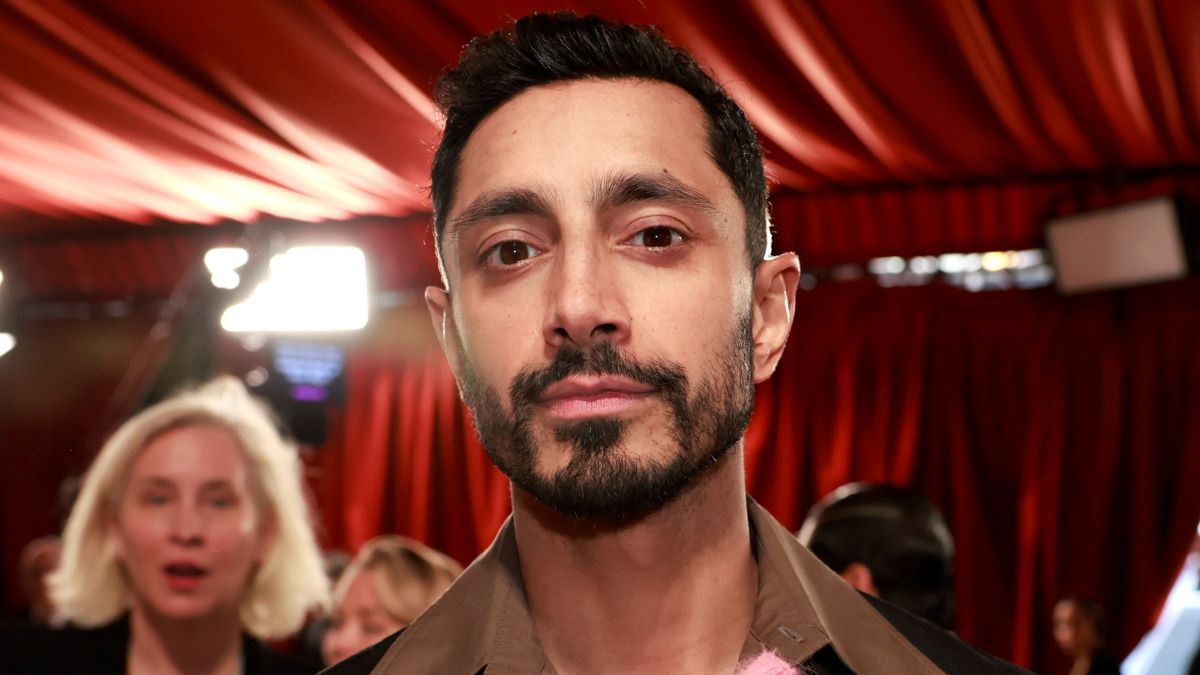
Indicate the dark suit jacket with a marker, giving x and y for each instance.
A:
(103, 651)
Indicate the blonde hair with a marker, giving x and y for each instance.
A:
(89, 587)
(409, 576)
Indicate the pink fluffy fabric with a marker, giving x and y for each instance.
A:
(767, 663)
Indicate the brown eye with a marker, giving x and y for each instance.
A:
(511, 252)
(657, 237)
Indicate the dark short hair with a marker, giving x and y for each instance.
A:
(561, 47)
(899, 535)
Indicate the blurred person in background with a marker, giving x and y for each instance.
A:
(38, 559)
(889, 542)
(389, 583)
(335, 562)
(1080, 627)
(190, 542)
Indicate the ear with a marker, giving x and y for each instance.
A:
(438, 301)
(859, 576)
(775, 283)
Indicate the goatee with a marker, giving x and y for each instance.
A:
(604, 480)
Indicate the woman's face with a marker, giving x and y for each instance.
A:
(188, 528)
(359, 620)
(1073, 630)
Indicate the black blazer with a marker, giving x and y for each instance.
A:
(102, 651)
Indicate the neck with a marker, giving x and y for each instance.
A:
(210, 645)
(1082, 663)
(671, 592)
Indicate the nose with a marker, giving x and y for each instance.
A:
(187, 526)
(334, 645)
(586, 303)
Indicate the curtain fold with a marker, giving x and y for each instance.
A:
(322, 110)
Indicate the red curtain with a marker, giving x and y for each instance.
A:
(839, 227)
(224, 109)
(1057, 435)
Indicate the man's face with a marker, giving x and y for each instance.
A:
(601, 316)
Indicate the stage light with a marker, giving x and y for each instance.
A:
(952, 263)
(7, 342)
(308, 289)
(222, 263)
(227, 279)
(994, 261)
(225, 258)
(974, 281)
(1, 276)
(925, 264)
(889, 265)
(1033, 257)
(257, 377)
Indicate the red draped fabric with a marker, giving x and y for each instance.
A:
(1043, 428)
(1058, 437)
(314, 109)
(838, 227)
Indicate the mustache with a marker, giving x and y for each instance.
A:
(603, 359)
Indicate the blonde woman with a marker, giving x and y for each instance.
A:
(391, 581)
(189, 543)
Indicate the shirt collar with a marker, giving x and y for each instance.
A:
(862, 638)
(483, 622)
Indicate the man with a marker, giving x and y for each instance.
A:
(609, 304)
(887, 541)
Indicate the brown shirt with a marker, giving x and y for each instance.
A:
(483, 623)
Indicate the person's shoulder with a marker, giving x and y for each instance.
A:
(365, 661)
(1104, 663)
(946, 650)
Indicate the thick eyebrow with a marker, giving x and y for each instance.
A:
(616, 190)
(499, 204)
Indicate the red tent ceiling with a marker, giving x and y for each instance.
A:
(121, 113)
(206, 110)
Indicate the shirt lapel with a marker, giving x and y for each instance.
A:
(864, 640)
(482, 621)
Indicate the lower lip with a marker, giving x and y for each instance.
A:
(179, 582)
(582, 407)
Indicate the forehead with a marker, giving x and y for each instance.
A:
(561, 138)
(196, 452)
(361, 591)
(1067, 611)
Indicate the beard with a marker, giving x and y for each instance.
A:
(604, 480)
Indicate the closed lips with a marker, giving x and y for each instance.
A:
(592, 388)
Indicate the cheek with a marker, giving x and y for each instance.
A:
(499, 343)
(235, 541)
(685, 328)
(136, 537)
